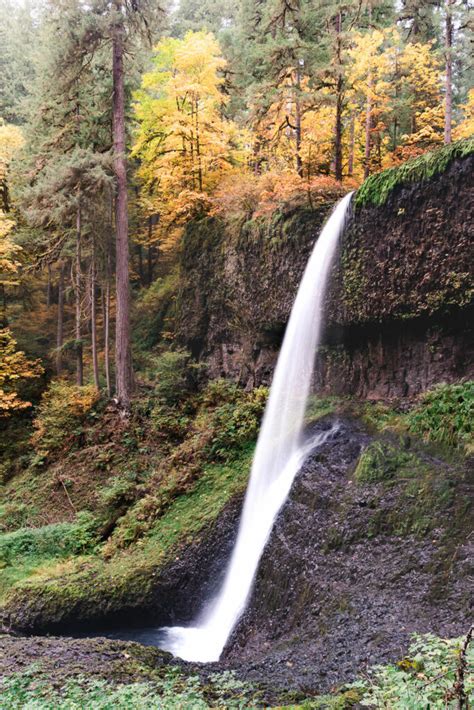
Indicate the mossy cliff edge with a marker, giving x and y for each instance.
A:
(401, 288)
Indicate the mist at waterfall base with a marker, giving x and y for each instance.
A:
(279, 455)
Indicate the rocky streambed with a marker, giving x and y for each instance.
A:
(359, 560)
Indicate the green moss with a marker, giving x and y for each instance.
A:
(354, 279)
(412, 489)
(380, 462)
(376, 189)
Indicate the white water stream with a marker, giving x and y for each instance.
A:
(278, 457)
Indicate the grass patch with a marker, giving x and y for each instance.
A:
(376, 189)
(57, 540)
(27, 551)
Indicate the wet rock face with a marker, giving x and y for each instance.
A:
(397, 359)
(332, 596)
(398, 307)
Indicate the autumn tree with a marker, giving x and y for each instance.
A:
(14, 369)
(183, 140)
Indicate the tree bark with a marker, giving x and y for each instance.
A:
(95, 360)
(298, 129)
(123, 357)
(3, 312)
(368, 125)
(60, 323)
(198, 148)
(150, 259)
(448, 113)
(107, 337)
(49, 288)
(78, 348)
(339, 103)
(141, 271)
(350, 163)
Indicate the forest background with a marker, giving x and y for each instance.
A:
(122, 121)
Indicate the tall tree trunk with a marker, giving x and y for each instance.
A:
(339, 103)
(3, 300)
(49, 288)
(198, 147)
(298, 128)
(60, 323)
(448, 113)
(123, 356)
(368, 126)
(79, 361)
(141, 271)
(368, 110)
(350, 162)
(95, 360)
(107, 336)
(150, 252)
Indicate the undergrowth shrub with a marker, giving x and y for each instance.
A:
(445, 415)
(260, 196)
(62, 413)
(119, 490)
(172, 692)
(173, 379)
(12, 516)
(425, 679)
(173, 376)
(50, 541)
(153, 315)
(235, 419)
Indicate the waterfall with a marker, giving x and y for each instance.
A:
(279, 455)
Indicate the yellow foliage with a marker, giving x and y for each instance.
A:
(11, 140)
(317, 145)
(370, 76)
(465, 129)
(14, 368)
(183, 140)
(8, 250)
(430, 124)
(62, 409)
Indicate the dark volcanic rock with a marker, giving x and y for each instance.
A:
(62, 659)
(335, 592)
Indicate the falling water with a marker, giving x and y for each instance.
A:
(279, 455)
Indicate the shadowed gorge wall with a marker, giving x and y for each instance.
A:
(398, 307)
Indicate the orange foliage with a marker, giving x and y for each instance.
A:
(260, 195)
